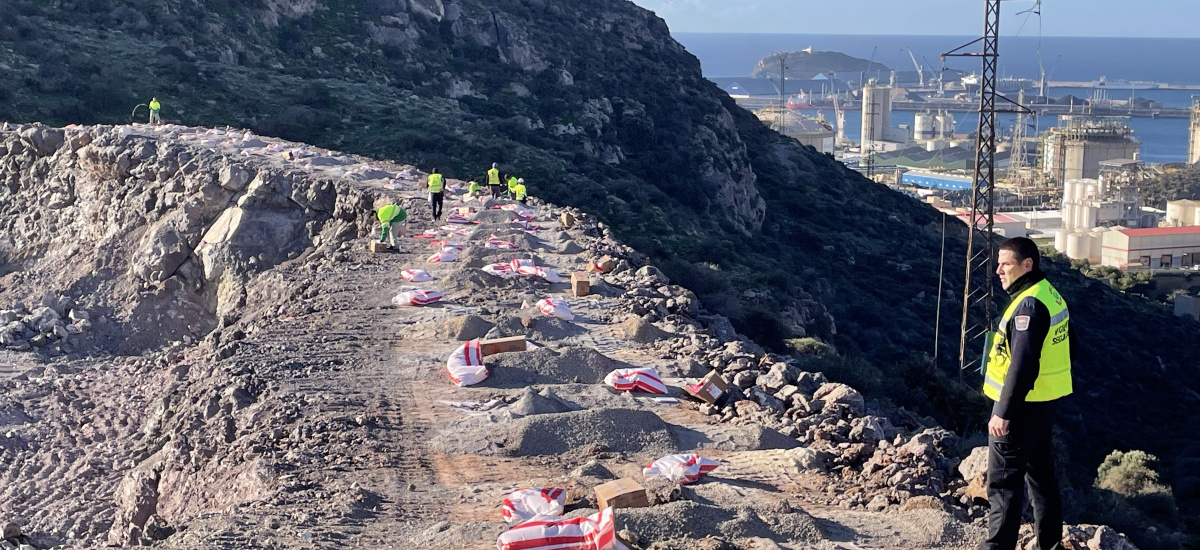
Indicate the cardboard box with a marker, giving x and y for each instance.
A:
(501, 345)
(567, 219)
(709, 389)
(622, 493)
(580, 285)
(377, 247)
(603, 265)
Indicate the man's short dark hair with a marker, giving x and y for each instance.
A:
(1021, 248)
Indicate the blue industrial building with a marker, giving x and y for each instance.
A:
(929, 180)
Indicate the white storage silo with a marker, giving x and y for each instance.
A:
(1077, 246)
(944, 125)
(1060, 240)
(923, 127)
(1095, 246)
(1091, 191)
(1089, 216)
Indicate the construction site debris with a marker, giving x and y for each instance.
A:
(465, 365)
(534, 502)
(417, 297)
(709, 389)
(621, 493)
(680, 468)
(643, 379)
(502, 345)
(594, 532)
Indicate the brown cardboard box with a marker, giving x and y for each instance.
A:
(622, 493)
(377, 247)
(709, 389)
(567, 219)
(580, 285)
(603, 265)
(501, 345)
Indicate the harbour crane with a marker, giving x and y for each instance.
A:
(978, 285)
(920, 70)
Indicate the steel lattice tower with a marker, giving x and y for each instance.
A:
(980, 265)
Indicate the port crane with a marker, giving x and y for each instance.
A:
(978, 285)
(920, 70)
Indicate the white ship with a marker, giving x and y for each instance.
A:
(1119, 84)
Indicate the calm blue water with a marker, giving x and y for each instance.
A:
(1166, 60)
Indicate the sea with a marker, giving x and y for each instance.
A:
(1068, 59)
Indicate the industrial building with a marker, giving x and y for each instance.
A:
(1155, 248)
(877, 132)
(1183, 212)
(951, 158)
(1076, 147)
(805, 129)
(1193, 156)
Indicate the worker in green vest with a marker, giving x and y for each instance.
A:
(512, 186)
(474, 190)
(389, 215)
(1028, 371)
(154, 108)
(520, 190)
(493, 181)
(437, 186)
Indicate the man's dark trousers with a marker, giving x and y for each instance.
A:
(1024, 458)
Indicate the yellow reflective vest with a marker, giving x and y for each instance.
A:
(154, 106)
(520, 191)
(512, 185)
(494, 176)
(436, 183)
(1054, 365)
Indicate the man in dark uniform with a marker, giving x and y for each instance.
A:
(1028, 372)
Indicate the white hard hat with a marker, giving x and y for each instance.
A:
(520, 180)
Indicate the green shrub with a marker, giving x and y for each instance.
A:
(1130, 474)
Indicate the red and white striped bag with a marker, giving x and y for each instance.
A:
(556, 307)
(681, 469)
(416, 275)
(526, 504)
(427, 234)
(595, 532)
(638, 379)
(417, 297)
(517, 264)
(465, 365)
(501, 269)
(493, 242)
(455, 218)
(446, 254)
(540, 272)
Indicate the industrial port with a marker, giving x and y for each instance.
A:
(1073, 185)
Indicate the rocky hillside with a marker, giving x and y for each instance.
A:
(804, 65)
(597, 108)
(222, 366)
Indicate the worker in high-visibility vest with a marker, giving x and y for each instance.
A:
(154, 108)
(436, 185)
(474, 190)
(389, 215)
(493, 181)
(519, 191)
(1028, 371)
(512, 186)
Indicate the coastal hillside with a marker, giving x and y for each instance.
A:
(807, 64)
(597, 108)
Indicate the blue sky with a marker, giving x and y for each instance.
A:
(1128, 18)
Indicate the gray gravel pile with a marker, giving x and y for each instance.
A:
(546, 366)
(692, 520)
(495, 216)
(545, 402)
(617, 430)
(536, 327)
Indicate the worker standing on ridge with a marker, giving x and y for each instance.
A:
(520, 190)
(512, 186)
(154, 107)
(436, 185)
(1028, 372)
(387, 216)
(493, 181)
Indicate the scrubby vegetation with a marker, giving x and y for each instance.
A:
(595, 106)
(1182, 183)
